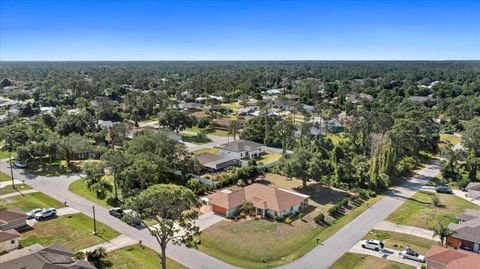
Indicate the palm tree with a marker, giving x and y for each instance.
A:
(441, 230)
(233, 128)
(98, 258)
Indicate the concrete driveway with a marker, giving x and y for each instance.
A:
(389, 254)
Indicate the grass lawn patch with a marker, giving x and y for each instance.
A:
(210, 150)
(449, 139)
(214, 132)
(360, 261)
(4, 177)
(419, 210)
(195, 139)
(336, 138)
(72, 231)
(18, 188)
(30, 201)
(5, 154)
(400, 241)
(138, 258)
(269, 157)
(80, 188)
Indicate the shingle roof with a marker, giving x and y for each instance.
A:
(262, 196)
(453, 259)
(469, 227)
(241, 145)
(473, 186)
(11, 214)
(9, 235)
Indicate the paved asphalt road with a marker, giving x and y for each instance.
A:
(321, 257)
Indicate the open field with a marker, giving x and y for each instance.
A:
(359, 261)
(398, 241)
(30, 201)
(72, 231)
(419, 210)
(10, 189)
(138, 258)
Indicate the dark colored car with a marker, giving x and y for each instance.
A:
(116, 212)
(443, 189)
(20, 165)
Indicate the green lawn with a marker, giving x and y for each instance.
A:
(194, 139)
(215, 132)
(5, 154)
(452, 139)
(56, 168)
(398, 241)
(80, 188)
(360, 261)
(419, 211)
(10, 189)
(72, 231)
(4, 177)
(210, 150)
(269, 157)
(30, 201)
(245, 243)
(139, 258)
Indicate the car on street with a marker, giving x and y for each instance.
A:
(116, 212)
(131, 217)
(411, 255)
(46, 213)
(31, 213)
(443, 189)
(19, 164)
(376, 245)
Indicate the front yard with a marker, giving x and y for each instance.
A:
(209, 150)
(360, 261)
(72, 231)
(18, 188)
(266, 244)
(399, 241)
(4, 177)
(195, 139)
(30, 201)
(80, 188)
(138, 258)
(419, 210)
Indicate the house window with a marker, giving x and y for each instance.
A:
(12, 242)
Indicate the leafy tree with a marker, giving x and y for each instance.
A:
(72, 144)
(441, 230)
(233, 128)
(285, 131)
(248, 174)
(176, 121)
(115, 161)
(173, 207)
(98, 258)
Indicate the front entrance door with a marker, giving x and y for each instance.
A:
(259, 211)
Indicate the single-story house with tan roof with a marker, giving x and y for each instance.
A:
(267, 201)
(12, 218)
(443, 258)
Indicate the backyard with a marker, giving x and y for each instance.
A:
(138, 258)
(419, 210)
(30, 201)
(359, 261)
(72, 231)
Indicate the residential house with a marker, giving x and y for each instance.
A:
(423, 99)
(467, 232)
(357, 97)
(190, 106)
(9, 240)
(105, 123)
(278, 104)
(307, 108)
(443, 258)
(267, 201)
(53, 257)
(245, 111)
(213, 162)
(273, 92)
(241, 149)
(473, 190)
(12, 218)
(291, 97)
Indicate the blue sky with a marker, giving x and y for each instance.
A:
(239, 30)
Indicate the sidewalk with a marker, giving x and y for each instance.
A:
(13, 194)
(405, 229)
(3, 184)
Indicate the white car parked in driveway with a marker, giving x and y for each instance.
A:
(376, 245)
(411, 255)
(33, 212)
(46, 213)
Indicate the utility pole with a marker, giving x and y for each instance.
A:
(94, 222)
(11, 170)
